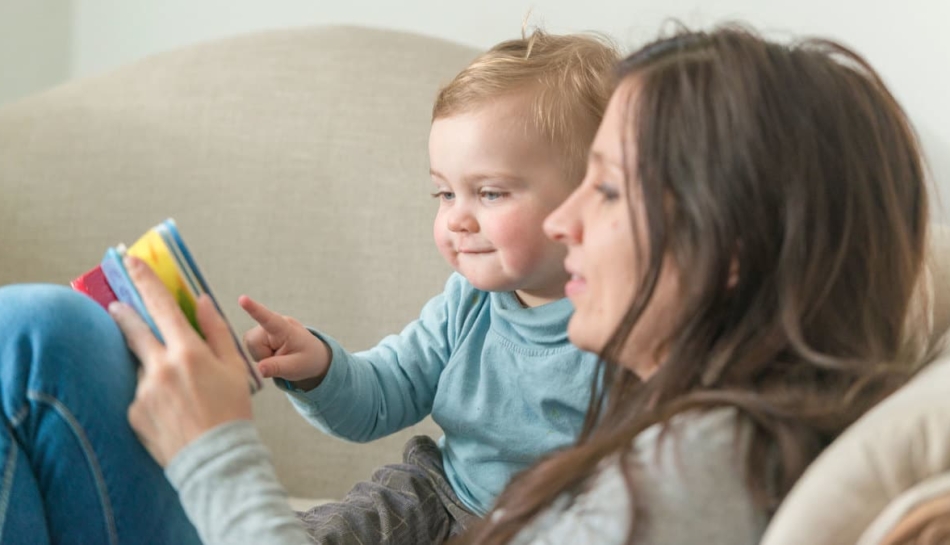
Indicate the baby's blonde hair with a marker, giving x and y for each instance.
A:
(570, 77)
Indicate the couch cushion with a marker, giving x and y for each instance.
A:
(938, 264)
(919, 513)
(901, 442)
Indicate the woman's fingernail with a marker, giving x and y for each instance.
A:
(114, 307)
(130, 263)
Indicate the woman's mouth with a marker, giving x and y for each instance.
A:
(575, 285)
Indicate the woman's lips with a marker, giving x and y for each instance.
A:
(575, 285)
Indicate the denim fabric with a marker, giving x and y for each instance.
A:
(71, 468)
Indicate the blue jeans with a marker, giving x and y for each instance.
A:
(71, 468)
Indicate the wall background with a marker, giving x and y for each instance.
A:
(46, 42)
(35, 45)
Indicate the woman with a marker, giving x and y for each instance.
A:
(764, 209)
(743, 250)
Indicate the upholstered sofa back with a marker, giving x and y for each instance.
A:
(295, 163)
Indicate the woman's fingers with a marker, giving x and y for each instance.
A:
(138, 335)
(216, 330)
(163, 308)
(189, 385)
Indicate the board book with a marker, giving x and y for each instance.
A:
(166, 253)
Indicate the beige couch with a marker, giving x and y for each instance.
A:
(295, 164)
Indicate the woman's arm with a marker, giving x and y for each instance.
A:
(229, 489)
(192, 411)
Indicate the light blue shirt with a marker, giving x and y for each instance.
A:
(502, 381)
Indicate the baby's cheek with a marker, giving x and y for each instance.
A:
(525, 243)
(448, 253)
(526, 257)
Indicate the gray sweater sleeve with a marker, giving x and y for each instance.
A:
(229, 489)
(690, 489)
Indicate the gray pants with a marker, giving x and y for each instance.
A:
(410, 503)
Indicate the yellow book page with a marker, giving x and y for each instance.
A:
(151, 249)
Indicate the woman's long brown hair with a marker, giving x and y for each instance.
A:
(794, 166)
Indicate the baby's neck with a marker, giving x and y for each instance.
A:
(530, 300)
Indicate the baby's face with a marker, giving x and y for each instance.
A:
(496, 180)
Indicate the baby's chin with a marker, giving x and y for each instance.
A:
(480, 282)
(491, 286)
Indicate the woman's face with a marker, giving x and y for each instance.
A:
(603, 258)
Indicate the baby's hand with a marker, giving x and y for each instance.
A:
(284, 348)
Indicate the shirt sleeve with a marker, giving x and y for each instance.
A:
(690, 488)
(227, 486)
(371, 394)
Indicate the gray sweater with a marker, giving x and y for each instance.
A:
(690, 489)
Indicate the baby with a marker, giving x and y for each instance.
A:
(488, 358)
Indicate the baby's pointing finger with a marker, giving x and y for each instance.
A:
(273, 323)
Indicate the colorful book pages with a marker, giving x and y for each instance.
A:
(153, 250)
(94, 284)
(118, 277)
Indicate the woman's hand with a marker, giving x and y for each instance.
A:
(284, 348)
(186, 386)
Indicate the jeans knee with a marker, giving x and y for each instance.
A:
(34, 307)
(58, 341)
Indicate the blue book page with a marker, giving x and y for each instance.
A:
(124, 289)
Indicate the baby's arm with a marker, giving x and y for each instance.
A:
(372, 394)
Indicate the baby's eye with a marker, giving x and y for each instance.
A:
(492, 195)
(443, 195)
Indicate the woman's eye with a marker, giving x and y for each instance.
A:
(443, 195)
(609, 192)
(492, 195)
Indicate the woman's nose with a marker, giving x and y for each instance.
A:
(563, 224)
